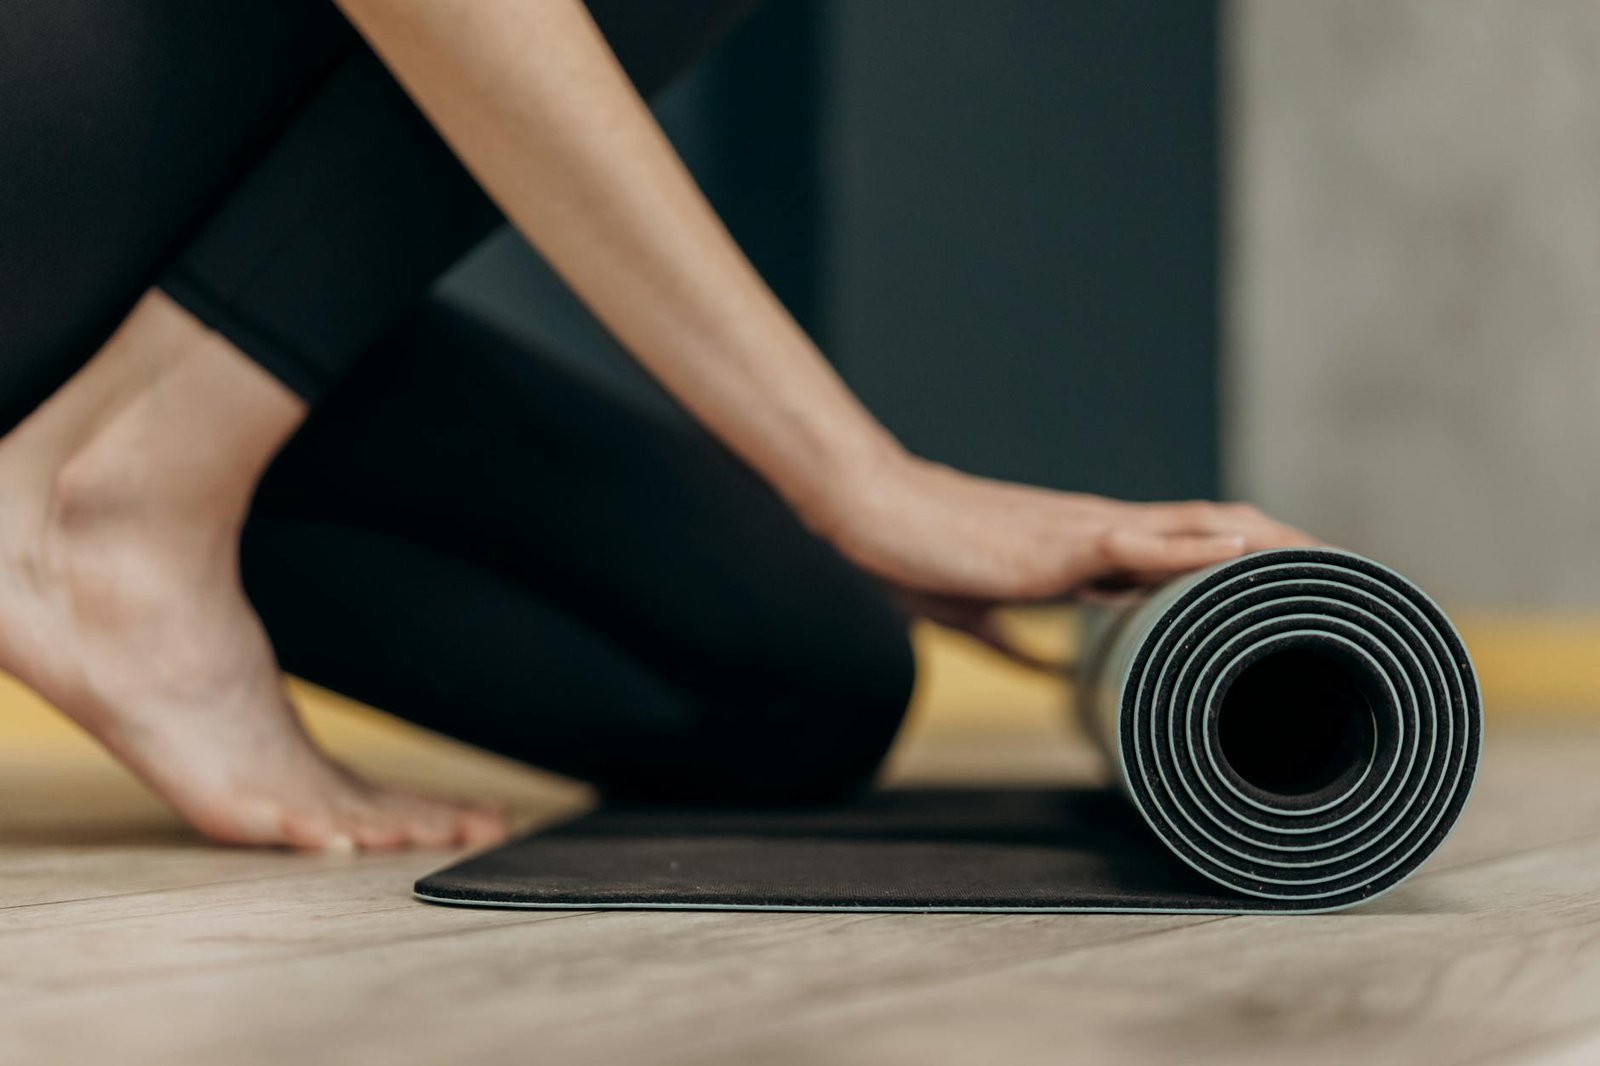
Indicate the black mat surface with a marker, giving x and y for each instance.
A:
(920, 850)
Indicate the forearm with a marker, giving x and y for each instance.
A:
(531, 99)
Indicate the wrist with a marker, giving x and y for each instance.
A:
(849, 480)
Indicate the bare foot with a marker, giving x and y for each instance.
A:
(121, 604)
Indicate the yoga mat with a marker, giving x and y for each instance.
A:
(1293, 731)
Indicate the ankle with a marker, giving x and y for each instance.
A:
(168, 420)
(109, 484)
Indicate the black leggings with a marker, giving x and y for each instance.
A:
(462, 533)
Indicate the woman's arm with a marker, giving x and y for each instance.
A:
(534, 103)
(530, 97)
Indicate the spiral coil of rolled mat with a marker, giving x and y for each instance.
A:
(1301, 726)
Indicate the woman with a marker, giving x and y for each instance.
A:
(220, 224)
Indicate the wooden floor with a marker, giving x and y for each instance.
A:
(124, 940)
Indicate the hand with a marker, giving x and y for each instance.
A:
(958, 545)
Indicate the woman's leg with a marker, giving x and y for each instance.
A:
(123, 124)
(255, 159)
(360, 206)
(123, 494)
(120, 599)
(505, 554)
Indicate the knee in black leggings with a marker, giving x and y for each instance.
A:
(813, 730)
(827, 743)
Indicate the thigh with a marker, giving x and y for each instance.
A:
(254, 158)
(770, 655)
(360, 205)
(122, 123)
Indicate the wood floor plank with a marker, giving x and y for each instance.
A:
(589, 989)
(140, 939)
(314, 904)
(127, 942)
(1535, 786)
(1577, 1045)
(1483, 956)
(1483, 953)
(79, 828)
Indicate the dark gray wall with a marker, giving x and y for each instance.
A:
(1022, 239)
(998, 218)
(746, 123)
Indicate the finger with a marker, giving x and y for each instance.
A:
(1136, 551)
(987, 630)
(1140, 581)
(1106, 594)
(1205, 517)
(978, 620)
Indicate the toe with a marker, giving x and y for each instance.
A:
(483, 827)
(439, 822)
(228, 820)
(377, 830)
(312, 831)
(431, 826)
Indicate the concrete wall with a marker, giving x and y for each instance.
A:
(1413, 363)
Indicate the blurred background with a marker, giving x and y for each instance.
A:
(1412, 362)
(1338, 257)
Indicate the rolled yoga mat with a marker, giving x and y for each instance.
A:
(1292, 731)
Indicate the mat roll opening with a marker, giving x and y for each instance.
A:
(1297, 724)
